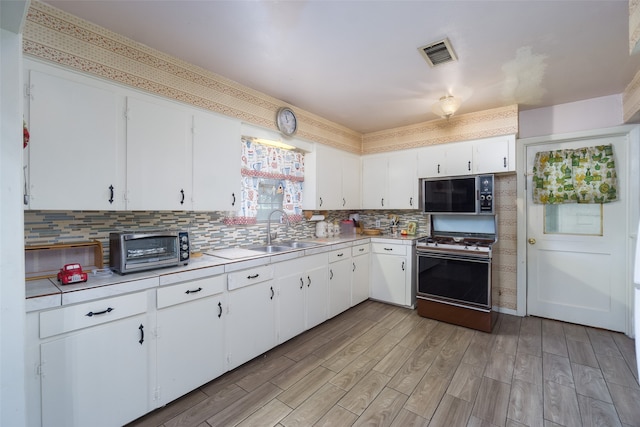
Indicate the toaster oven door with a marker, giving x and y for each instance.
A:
(148, 251)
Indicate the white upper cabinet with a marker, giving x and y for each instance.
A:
(494, 155)
(390, 181)
(159, 167)
(332, 179)
(216, 163)
(402, 180)
(490, 155)
(75, 129)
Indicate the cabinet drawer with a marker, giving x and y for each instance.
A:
(249, 276)
(340, 254)
(92, 313)
(360, 249)
(189, 291)
(389, 248)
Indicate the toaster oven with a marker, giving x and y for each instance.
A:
(131, 251)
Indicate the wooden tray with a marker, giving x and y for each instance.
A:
(372, 231)
(44, 261)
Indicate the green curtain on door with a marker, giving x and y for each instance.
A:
(581, 175)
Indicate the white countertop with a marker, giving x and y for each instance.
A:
(48, 293)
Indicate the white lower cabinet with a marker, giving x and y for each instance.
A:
(360, 261)
(339, 281)
(392, 273)
(96, 375)
(190, 336)
(302, 295)
(251, 318)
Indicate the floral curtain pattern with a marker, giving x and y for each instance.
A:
(582, 175)
(260, 162)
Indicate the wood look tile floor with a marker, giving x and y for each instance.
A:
(381, 365)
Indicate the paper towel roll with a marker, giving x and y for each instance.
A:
(316, 218)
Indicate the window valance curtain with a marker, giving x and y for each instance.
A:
(260, 162)
(582, 175)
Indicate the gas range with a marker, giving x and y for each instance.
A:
(470, 246)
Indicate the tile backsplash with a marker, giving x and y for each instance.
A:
(206, 229)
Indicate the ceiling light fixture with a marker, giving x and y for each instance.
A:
(446, 106)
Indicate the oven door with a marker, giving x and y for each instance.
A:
(150, 251)
(454, 278)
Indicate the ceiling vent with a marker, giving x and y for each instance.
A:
(438, 53)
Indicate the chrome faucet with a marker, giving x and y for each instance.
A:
(286, 218)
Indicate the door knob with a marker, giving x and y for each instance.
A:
(532, 241)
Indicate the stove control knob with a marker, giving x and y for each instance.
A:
(185, 247)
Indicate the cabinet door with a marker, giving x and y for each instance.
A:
(339, 286)
(216, 163)
(196, 330)
(97, 377)
(402, 181)
(374, 182)
(350, 182)
(158, 156)
(360, 279)
(494, 155)
(432, 161)
(74, 129)
(388, 278)
(291, 304)
(329, 178)
(459, 159)
(251, 322)
(317, 297)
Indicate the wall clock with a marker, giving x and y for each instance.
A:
(286, 121)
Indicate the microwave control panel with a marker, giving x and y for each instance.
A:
(485, 188)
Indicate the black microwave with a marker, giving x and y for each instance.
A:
(458, 195)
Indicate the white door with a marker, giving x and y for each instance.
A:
(316, 282)
(576, 254)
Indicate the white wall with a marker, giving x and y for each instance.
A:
(12, 303)
(594, 113)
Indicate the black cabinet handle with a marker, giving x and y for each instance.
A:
(219, 310)
(182, 199)
(410, 201)
(308, 281)
(382, 201)
(330, 274)
(233, 195)
(361, 250)
(111, 192)
(272, 292)
(354, 266)
(340, 254)
(505, 161)
(141, 334)
(469, 166)
(402, 265)
(388, 249)
(253, 277)
(91, 313)
(344, 201)
(438, 167)
(193, 292)
(301, 283)
(320, 201)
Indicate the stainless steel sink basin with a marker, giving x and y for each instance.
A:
(299, 245)
(270, 248)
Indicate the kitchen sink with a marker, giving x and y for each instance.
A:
(270, 248)
(299, 245)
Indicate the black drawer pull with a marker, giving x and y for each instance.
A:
(272, 292)
(301, 283)
(402, 265)
(182, 198)
(330, 274)
(219, 310)
(308, 281)
(141, 334)
(354, 266)
(91, 313)
(253, 277)
(340, 254)
(233, 203)
(111, 191)
(388, 249)
(193, 292)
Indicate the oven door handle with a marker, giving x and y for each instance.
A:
(442, 255)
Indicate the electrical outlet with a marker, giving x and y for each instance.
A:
(377, 223)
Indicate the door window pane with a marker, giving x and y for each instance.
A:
(573, 218)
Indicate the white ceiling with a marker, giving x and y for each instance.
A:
(356, 62)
